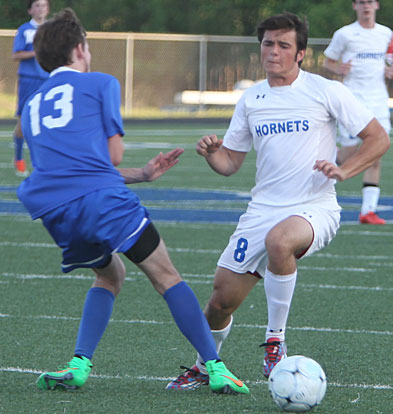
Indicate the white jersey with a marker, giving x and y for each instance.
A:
(291, 127)
(366, 50)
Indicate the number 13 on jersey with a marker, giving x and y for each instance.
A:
(62, 101)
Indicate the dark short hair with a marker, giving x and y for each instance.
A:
(56, 38)
(286, 21)
(29, 3)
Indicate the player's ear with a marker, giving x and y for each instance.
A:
(80, 49)
(300, 55)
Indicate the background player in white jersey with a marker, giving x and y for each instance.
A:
(290, 120)
(357, 52)
(73, 127)
(30, 74)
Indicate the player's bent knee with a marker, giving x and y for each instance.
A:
(220, 307)
(277, 243)
(112, 274)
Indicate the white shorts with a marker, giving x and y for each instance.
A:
(346, 140)
(246, 250)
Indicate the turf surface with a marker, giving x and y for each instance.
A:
(341, 312)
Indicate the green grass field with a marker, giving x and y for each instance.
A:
(340, 316)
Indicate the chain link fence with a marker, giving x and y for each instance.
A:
(153, 68)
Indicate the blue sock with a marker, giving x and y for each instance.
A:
(96, 314)
(190, 320)
(18, 146)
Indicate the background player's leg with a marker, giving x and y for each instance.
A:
(19, 162)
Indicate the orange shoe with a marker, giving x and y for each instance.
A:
(20, 168)
(371, 218)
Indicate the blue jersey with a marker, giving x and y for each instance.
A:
(23, 41)
(67, 123)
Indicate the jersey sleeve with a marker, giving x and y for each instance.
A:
(111, 102)
(19, 41)
(336, 46)
(238, 136)
(347, 109)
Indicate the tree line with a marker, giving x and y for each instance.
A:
(211, 17)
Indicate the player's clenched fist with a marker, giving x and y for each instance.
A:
(208, 145)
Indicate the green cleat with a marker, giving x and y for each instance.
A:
(73, 376)
(222, 381)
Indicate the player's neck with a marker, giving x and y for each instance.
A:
(367, 23)
(39, 21)
(287, 79)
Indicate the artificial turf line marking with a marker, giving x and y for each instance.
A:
(193, 281)
(211, 251)
(247, 326)
(19, 370)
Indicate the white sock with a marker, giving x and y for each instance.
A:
(279, 291)
(219, 338)
(370, 199)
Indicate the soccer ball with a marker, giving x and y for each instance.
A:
(297, 384)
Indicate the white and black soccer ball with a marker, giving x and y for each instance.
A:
(297, 384)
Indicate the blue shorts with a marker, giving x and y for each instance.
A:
(93, 227)
(26, 87)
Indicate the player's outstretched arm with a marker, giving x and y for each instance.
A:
(375, 143)
(336, 67)
(389, 72)
(23, 55)
(154, 169)
(221, 159)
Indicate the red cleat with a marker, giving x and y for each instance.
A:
(275, 351)
(191, 379)
(371, 218)
(20, 168)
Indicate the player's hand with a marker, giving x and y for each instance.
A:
(344, 68)
(208, 144)
(389, 72)
(330, 169)
(161, 163)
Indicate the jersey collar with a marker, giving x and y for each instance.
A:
(299, 78)
(34, 23)
(62, 69)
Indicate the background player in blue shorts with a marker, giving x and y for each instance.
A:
(74, 130)
(30, 74)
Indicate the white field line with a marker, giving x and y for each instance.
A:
(349, 256)
(218, 251)
(146, 378)
(71, 318)
(366, 232)
(190, 278)
(207, 251)
(51, 245)
(232, 224)
(27, 244)
(244, 326)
